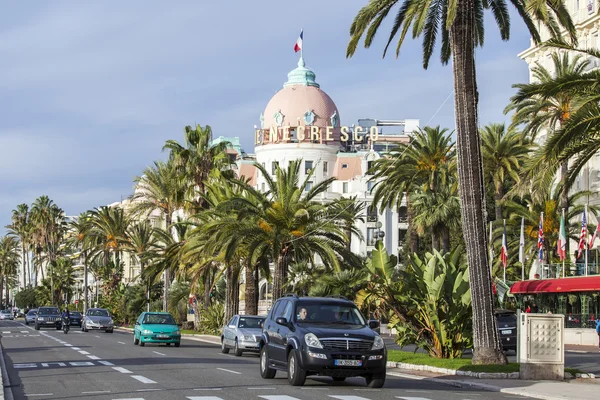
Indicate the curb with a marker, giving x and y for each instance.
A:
(471, 374)
(6, 393)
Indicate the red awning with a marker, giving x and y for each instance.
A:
(564, 285)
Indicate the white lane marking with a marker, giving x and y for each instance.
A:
(82, 363)
(121, 342)
(5, 331)
(208, 389)
(97, 336)
(149, 390)
(33, 365)
(84, 352)
(417, 391)
(75, 348)
(122, 370)
(24, 331)
(279, 397)
(142, 379)
(107, 363)
(260, 388)
(203, 398)
(160, 354)
(136, 398)
(44, 394)
(60, 364)
(93, 357)
(68, 345)
(228, 370)
(351, 397)
(411, 398)
(96, 392)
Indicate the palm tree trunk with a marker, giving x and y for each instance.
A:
(256, 286)
(497, 198)
(413, 237)
(1, 288)
(564, 195)
(486, 344)
(445, 238)
(251, 306)
(280, 276)
(85, 282)
(230, 292)
(24, 264)
(167, 281)
(207, 287)
(435, 240)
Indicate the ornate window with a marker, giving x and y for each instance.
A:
(309, 117)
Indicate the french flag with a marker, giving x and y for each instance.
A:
(298, 45)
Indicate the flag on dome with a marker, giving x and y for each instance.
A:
(298, 45)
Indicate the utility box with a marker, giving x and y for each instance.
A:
(542, 346)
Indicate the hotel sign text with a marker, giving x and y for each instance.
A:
(286, 134)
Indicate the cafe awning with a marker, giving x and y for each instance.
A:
(563, 285)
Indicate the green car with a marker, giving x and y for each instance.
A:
(156, 327)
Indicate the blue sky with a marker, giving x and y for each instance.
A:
(92, 90)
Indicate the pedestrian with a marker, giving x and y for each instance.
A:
(598, 332)
(528, 309)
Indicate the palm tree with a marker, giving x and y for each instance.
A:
(142, 244)
(80, 238)
(461, 26)
(20, 227)
(162, 189)
(349, 210)
(423, 165)
(197, 159)
(503, 153)
(542, 111)
(9, 262)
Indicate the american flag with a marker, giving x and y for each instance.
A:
(583, 236)
(541, 239)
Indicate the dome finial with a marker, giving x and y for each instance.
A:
(301, 75)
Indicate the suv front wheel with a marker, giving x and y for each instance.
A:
(375, 381)
(265, 371)
(296, 375)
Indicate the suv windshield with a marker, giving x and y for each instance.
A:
(329, 314)
(49, 311)
(97, 313)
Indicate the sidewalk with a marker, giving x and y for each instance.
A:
(586, 389)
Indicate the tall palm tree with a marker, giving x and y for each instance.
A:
(461, 26)
(542, 111)
(9, 262)
(20, 227)
(424, 165)
(142, 245)
(161, 188)
(80, 238)
(504, 151)
(197, 159)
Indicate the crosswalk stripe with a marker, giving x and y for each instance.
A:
(142, 379)
(203, 398)
(411, 398)
(279, 397)
(348, 397)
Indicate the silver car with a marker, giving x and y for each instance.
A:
(242, 334)
(30, 316)
(97, 319)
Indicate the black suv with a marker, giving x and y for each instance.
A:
(48, 316)
(321, 336)
(507, 329)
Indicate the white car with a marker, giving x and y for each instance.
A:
(6, 314)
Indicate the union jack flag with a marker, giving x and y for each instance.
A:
(583, 236)
(541, 239)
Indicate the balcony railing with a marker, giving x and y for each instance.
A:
(554, 271)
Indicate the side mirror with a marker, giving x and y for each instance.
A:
(261, 324)
(232, 326)
(282, 321)
(373, 324)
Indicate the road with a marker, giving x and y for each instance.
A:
(48, 364)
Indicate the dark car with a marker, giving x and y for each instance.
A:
(507, 328)
(30, 316)
(75, 318)
(48, 317)
(321, 336)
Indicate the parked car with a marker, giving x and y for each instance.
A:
(48, 317)
(30, 316)
(156, 327)
(97, 319)
(242, 333)
(321, 336)
(76, 318)
(6, 314)
(507, 329)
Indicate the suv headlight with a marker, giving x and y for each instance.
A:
(312, 340)
(40, 318)
(110, 322)
(378, 343)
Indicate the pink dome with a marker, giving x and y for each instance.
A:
(297, 100)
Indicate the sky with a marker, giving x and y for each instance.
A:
(90, 91)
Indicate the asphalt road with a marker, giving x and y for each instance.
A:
(48, 364)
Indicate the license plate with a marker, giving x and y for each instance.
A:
(348, 363)
(163, 336)
(507, 332)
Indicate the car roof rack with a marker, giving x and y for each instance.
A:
(290, 295)
(337, 296)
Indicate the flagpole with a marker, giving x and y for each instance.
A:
(563, 266)
(503, 243)
(542, 258)
(585, 243)
(301, 48)
(522, 248)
